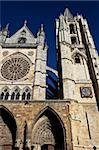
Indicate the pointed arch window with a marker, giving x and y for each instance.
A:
(26, 94)
(23, 96)
(15, 94)
(4, 94)
(72, 29)
(73, 40)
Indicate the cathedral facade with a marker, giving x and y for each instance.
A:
(34, 115)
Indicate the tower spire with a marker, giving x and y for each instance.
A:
(67, 14)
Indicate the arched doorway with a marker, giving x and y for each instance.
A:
(48, 132)
(7, 129)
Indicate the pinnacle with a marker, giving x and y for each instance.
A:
(68, 14)
(42, 28)
(25, 22)
(7, 26)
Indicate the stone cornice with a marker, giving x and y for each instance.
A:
(17, 45)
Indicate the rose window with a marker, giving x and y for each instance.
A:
(15, 68)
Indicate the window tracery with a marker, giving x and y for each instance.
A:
(72, 29)
(77, 59)
(15, 94)
(4, 94)
(15, 68)
(26, 95)
(73, 40)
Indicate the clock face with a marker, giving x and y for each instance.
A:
(15, 68)
(86, 92)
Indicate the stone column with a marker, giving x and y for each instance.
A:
(19, 144)
(28, 144)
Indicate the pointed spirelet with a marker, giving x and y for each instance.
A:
(42, 33)
(42, 28)
(38, 33)
(67, 14)
(25, 23)
(7, 27)
(5, 32)
(61, 22)
(38, 36)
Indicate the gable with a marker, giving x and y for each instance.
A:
(24, 33)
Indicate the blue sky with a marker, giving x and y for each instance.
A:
(46, 12)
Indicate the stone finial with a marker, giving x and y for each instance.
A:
(5, 29)
(25, 22)
(38, 33)
(7, 26)
(41, 36)
(4, 33)
(61, 22)
(42, 30)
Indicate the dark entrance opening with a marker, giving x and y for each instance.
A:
(44, 147)
(8, 121)
(57, 130)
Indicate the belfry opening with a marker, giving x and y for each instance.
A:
(48, 131)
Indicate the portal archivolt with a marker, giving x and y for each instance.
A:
(48, 132)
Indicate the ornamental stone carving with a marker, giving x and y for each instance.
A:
(42, 132)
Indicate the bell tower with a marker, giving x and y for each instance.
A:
(77, 58)
(78, 71)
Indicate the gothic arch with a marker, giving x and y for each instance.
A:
(45, 131)
(76, 51)
(9, 129)
(26, 93)
(15, 93)
(4, 93)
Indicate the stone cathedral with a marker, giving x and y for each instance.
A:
(62, 114)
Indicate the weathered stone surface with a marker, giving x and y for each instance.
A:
(29, 121)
